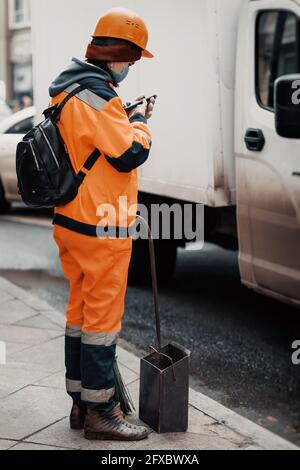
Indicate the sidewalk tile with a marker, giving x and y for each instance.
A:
(56, 380)
(61, 434)
(55, 317)
(30, 446)
(185, 441)
(14, 377)
(49, 355)
(129, 360)
(127, 374)
(17, 292)
(31, 336)
(13, 311)
(6, 444)
(253, 448)
(35, 303)
(38, 321)
(199, 422)
(5, 296)
(30, 410)
(226, 433)
(14, 347)
(45, 371)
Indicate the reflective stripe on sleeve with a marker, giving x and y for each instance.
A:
(144, 134)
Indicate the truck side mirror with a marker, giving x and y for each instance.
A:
(287, 106)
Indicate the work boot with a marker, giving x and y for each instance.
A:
(77, 416)
(112, 426)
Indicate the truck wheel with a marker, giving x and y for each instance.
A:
(4, 205)
(165, 258)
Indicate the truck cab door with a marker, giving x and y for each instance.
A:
(267, 165)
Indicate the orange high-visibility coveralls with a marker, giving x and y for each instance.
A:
(96, 267)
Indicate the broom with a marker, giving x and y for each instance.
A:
(122, 394)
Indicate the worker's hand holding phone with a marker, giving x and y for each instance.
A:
(141, 105)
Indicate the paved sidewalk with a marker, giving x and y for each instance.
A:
(34, 406)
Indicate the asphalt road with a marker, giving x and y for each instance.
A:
(240, 341)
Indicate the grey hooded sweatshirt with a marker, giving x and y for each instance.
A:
(81, 72)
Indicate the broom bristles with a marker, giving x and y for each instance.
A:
(122, 394)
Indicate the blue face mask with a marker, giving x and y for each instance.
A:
(119, 77)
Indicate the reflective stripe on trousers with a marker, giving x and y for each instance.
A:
(89, 361)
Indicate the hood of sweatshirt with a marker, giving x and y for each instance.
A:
(77, 72)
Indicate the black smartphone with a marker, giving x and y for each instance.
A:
(136, 103)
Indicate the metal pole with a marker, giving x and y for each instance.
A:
(154, 281)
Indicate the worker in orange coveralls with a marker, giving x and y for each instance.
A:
(97, 266)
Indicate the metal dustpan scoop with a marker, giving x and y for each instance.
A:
(164, 375)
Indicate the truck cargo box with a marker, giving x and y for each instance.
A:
(194, 43)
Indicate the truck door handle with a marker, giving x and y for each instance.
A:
(296, 173)
(255, 140)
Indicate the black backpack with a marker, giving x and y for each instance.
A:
(45, 174)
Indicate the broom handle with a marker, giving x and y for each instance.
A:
(154, 282)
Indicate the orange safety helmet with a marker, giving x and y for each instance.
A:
(121, 23)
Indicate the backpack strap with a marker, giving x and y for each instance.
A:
(90, 162)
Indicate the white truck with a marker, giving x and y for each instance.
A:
(226, 132)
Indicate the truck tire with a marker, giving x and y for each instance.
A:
(139, 268)
(4, 205)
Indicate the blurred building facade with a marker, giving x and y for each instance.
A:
(15, 48)
(3, 43)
